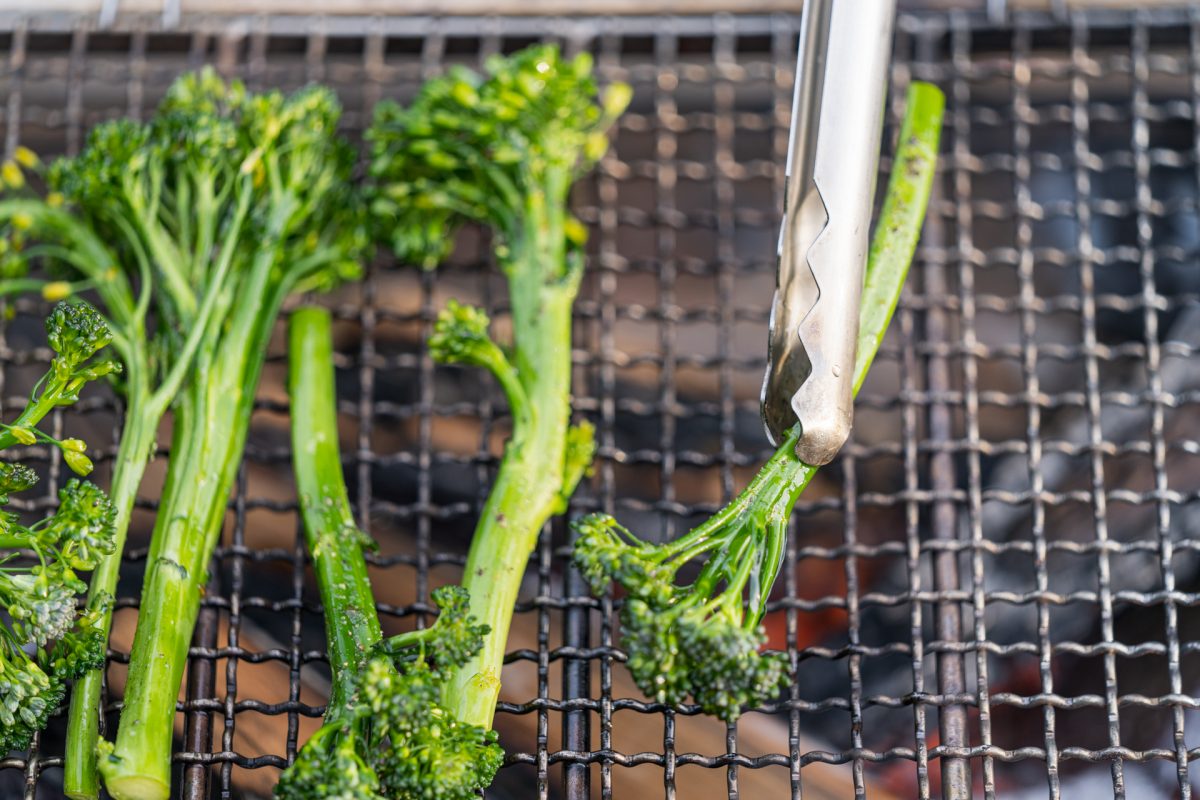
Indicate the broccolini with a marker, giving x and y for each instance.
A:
(387, 734)
(216, 209)
(87, 232)
(703, 639)
(289, 223)
(502, 150)
(49, 638)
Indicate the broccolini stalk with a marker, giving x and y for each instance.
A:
(48, 639)
(502, 150)
(65, 240)
(386, 734)
(703, 639)
(294, 226)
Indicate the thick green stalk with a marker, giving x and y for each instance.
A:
(80, 778)
(529, 484)
(900, 219)
(189, 523)
(334, 541)
(145, 407)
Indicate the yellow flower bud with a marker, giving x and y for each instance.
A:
(251, 162)
(616, 99)
(22, 434)
(22, 221)
(80, 464)
(26, 157)
(11, 174)
(54, 199)
(56, 290)
(575, 231)
(595, 146)
(76, 445)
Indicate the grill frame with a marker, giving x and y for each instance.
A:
(935, 347)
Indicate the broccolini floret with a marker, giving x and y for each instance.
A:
(702, 637)
(502, 150)
(49, 639)
(388, 734)
(396, 740)
(76, 332)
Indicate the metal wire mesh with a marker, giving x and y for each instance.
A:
(992, 592)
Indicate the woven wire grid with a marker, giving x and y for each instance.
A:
(990, 593)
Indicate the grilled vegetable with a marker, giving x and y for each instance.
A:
(48, 638)
(387, 733)
(502, 149)
(216, 210)
(703, 639)
(290, 223)
(91, 231)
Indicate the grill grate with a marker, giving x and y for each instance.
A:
(993, 591)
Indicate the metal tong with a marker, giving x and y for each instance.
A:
(833, 158)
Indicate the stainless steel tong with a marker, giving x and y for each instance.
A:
(833, 157)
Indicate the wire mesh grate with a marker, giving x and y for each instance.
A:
(992, 592)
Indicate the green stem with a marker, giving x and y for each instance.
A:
(334, 541)
(163, 250)
(14, 286)
(529, 482)
(186, 531)
(80, 778)
(773, 492)
(400, 644)
(717, 570)
(510, 383)
(34, 412)
(88, 254)
(143, 414)
(215, 306)
(767, 570)
(751, 503)
(900, 219)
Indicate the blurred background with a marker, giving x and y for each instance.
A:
(992, 592)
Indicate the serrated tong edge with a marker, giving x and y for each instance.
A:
(845, 48)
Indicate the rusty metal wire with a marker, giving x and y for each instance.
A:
(1010, 533)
